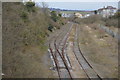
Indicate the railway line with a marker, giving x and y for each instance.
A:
(86, 66)
(54, 47)
(61, 59)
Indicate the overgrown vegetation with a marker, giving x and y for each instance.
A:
(88, 20)
(25, 26)
(111, 21)
(30, 6)
(56, 21)
(54, 16)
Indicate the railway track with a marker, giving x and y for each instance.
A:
(83, 62)
(62, 64)
(60, 54)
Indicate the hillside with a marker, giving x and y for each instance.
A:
(25, 29)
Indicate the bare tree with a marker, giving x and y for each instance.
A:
(45, 8)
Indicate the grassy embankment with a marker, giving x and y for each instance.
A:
(110, 22)
(72, 12)
(25, 29)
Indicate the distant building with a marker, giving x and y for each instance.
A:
(78, 15)
(86, 15)
(66, 15)
(107, 11)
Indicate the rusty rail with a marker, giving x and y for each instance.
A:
(61, 55)
(55, 60)
(85, 59)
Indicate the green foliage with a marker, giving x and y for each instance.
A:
(20, 36)
(62, 23)
(50, 27)
(89, 20)
(111, 21)
(117, 15)
(30, 6)
(60, 15)
(54, 16)
(24, 15)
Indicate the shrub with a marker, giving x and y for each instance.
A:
(30, 6)
(88, 20)
(60, 15)
(24, 15)
(112, 22)
(50, 27)
(54, 16)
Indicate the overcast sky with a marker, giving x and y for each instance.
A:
(77, 0)
(81, 5)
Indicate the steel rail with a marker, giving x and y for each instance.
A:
(62, 53)
(86, 59)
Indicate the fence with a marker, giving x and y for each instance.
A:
(110, 32)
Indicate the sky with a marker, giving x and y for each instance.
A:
(76, 0)
(81, 5)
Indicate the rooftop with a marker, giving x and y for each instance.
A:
(108, 7)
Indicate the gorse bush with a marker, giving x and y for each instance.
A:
(56, 21)
(50, 27)
(30, 6)
(54, 16)
(60, 15)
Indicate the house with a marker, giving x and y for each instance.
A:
(78, 15)
(107, 11)
(66, 15)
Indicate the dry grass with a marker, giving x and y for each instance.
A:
(99, 53)
(24, 42)
(72, 34)
(112, 21)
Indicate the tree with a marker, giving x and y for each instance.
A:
(45, 8)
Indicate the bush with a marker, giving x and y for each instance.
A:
(50, 27)
(54, 16)
(24, 15)
(111, 21)
(60, 15)
(88, 20)
(30, 6)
